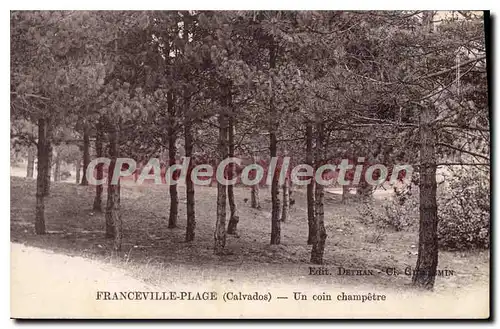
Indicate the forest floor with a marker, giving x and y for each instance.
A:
(158, 256)
(148, 245)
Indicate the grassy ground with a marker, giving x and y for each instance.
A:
(150, 248)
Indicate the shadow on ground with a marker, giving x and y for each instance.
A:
(149, 246)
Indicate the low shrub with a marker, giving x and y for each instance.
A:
(464, 211)
(463, 201)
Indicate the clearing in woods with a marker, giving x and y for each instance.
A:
(157, 256)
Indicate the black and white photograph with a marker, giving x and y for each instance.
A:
(250, 164)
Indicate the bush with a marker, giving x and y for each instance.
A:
(400, 213)
(464, 211)
(463, 201)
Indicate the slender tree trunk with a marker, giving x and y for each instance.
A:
(427, 261)
(275, 201)
(57, 168)
(190, 199)
(424, 274)
(254, 194)
(220, 224)
(286, 201)
(310, 186)
(42, 168)
(345, 193)
(48, 146)
(273, 146)
(99, 169)
(188, 145)
(172, 151)
(46, 187)
(318, 248)
(113, 216)
(117, 218)
(78, 165)
(119, 188)
(110, 230)
(31, 162)
(233, 218)
(86, 154)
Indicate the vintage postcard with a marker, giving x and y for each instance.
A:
(250, 164)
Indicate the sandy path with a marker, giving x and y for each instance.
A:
(49, 284)
(45, 284)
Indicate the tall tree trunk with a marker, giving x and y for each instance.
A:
(273, 146)
(31, 162)
(99, 168)
(310, 186)
(113, 215)
(48, 146)
(255, 200)
(172, 151)
(318, 248)
(233, 218)
(86, 154)
(427, 261)
(78, 165)
(119, 188)
(188, 146)
(275, 201)
(424, 274)
(42, 168)
(110, 229)
(220, 224)
(286, 201)
(190, 199)
(345, 193)
(57, 168)
(254, 194)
